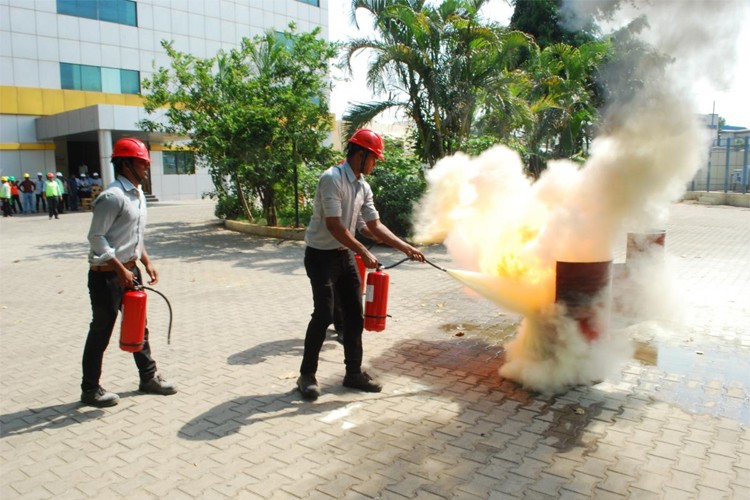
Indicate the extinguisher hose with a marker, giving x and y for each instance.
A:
(407, 258)
(169, 331)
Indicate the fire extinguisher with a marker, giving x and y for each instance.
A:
(376, 300)
(362, 272)
(133, 324)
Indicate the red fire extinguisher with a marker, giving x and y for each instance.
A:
(133, 324)
(362, 272)
(376, 301)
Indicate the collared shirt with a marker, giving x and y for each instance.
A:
(5, 191)
(339, 194)
(118, 223)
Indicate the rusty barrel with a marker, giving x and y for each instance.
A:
(585, 289)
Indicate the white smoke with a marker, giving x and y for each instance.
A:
(506, 233)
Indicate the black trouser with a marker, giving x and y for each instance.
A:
(52, 203)
(106, 299)
(15, 202)
(62, 205)
(333, 271)
(7, 211)
(40, 198)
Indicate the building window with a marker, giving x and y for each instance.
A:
(113, 11)
(178, 162)
(96, 79)
(314, 3)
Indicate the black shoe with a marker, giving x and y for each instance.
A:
(99, 397)
(157, 385)
(308, 386)
(363, 382)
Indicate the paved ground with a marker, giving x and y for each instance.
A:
(671, 424)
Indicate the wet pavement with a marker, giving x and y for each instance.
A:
(672, 422)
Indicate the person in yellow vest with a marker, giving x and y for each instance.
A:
(52, 195)
(5, 197)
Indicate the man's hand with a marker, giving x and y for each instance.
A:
(152, 273)
(413, 253)
(126, 278)
(369, 259)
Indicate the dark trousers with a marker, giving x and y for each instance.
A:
(333, 272)
(106, 299)
(7, 210)
(40, 198)
(52, 203)
(15, 202)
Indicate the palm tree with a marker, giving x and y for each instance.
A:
(431, 63)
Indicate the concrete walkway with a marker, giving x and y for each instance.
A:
(672, 424)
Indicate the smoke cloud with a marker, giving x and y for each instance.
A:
(505, 233)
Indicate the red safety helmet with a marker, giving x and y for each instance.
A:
(130, 147)
(369, 140)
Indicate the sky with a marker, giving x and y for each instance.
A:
(732, 103)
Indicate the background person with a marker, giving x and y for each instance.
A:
(27, 188)
(15, 196)
(116, 239)
(5, 197)
(40, 192)
(52, 195)
(342, 196)
(62, 205)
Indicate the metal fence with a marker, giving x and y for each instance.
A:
(726, 168)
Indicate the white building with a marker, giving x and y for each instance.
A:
(70, 73)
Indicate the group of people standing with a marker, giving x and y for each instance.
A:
(55, 194)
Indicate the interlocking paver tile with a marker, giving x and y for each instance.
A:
(445, 426)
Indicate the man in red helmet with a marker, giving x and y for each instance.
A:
(342, 197)
(116, 239)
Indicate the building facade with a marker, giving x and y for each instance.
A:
(71, 73)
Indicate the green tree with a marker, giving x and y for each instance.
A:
(432, 61)
(548, 109)
(254, 115)
(542, 19)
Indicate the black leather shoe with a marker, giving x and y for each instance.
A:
(157, 385)
(363, 382)
(99, 397)
(308, 387)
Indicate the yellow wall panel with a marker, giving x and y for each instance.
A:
(8, 100)
(14, 146)
(74, 99)
(116, 99)
(33, 101)
(53, 102)
(30, 101)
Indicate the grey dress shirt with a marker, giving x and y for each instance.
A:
(118, 223)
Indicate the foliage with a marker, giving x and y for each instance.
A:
(543, 20)
(432, 61)
(397, 184)
(253, 115)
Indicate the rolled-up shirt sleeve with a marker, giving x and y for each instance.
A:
(106, 210)
(330, 196)
(368, 212)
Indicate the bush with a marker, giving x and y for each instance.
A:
(229, 207)
(397, 184)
